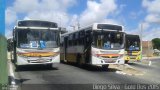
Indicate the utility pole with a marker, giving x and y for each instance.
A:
(78, 25)
(141, 31)
(74, 27)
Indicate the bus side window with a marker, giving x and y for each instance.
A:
(74, 40)
(87, 38)
(82, 37)
(70, 40)
(79, 39)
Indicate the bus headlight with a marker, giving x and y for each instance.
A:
(120, 56)
(23, 56)
(95, 53)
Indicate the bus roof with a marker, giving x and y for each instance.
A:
(36, 23)
(17, 27)
(93, 26)
(132, 35)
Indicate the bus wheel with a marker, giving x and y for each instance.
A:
(126, 61)
(18, 67)
(105, 67)
(78, 60)
(50, 66)
(64, 61)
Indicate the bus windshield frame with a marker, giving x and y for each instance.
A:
(132, 43)
(108, 40)
(37, 38)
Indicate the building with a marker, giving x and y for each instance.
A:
(147, 48)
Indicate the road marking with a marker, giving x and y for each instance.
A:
(131, 73)
(11, 72)
(150, 63)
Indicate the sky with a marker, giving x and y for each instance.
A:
(2, 28)
(134, 15)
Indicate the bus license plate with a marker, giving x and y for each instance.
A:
(40, 60)
(109, 61)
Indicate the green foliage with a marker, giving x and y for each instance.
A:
(3, 61)
(156, 43)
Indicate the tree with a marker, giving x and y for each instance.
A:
(156, 43)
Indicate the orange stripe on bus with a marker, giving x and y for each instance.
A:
(37, 54)
(109, 54)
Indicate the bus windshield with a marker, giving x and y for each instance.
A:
(108, 40)
(133, 43)
(29, 38)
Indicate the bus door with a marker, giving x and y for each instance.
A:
(65, 47)
(88, 42)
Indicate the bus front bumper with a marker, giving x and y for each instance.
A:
(99, 61)
(37, 60)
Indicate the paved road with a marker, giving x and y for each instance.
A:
(152, 72)
(44, 78)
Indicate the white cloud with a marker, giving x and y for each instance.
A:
(56, 10)
(10, 15)
(147, 35)
(120, 9)
(97, 11)
(152, 5)
(150, 34)
(145, 26)
(142, 29)
(110, 21)
(41, 9)
(60, 17)
(25, 6)
(151, 18)
(8, 33)
(52, 10)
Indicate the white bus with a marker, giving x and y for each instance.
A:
(99, 44)
(36, 42)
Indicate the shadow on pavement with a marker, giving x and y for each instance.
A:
(139, 65)
(35, 68)
(93, 68)
(17, 81)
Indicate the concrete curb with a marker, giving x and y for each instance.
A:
(151, 58)
(12, 79)
(123, 72)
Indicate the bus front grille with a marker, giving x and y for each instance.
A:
(39, 61)
(109, 56)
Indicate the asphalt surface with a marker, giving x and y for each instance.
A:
(152, 72)
(71, 77)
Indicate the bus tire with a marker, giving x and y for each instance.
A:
(126, 61)
(50, 66)
(55, 65)
(18, 67)
(105, 67)
(78, 59)
(65, 61)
